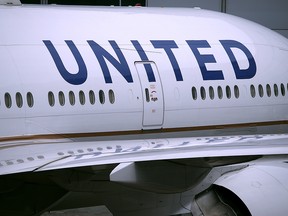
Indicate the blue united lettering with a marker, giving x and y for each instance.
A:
(203, 59)
(168, 45)
(117, 60)
(75, 79)
(247, 73)
(120, 64)
(143, 56)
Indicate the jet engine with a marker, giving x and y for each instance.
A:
(255, 190)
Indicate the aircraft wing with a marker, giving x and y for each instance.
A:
(65, 153)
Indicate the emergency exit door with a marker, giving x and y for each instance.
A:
(153, 100)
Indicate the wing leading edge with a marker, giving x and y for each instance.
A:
(63, 153)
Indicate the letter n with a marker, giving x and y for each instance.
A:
(120, 64)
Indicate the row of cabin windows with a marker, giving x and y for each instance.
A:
(268, 89)
(81, 97)
(51, 98)
(19, 100)
(211, 92)
(227, 91)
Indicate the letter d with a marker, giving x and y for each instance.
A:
(240, 73)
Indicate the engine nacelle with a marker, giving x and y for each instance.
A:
(256, 190)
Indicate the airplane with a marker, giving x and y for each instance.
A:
(148, 111)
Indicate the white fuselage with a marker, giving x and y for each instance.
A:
(117, 70)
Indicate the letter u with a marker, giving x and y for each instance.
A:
(75, 79)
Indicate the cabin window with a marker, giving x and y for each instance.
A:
(276, 92)
(92, 97)
(101, 97)
(211, 92)
(19, 99)
(203, 93)
(147, 95)
(260, 90)
(252, 91)
(220, 92)
(268, 90)
(72, 98)
(194, 93)
(81, 97)
(111, 96)
(8, 100)
(282, 87)
(236, 91)
(51, 99)
(61, 98)
(30, 99)
(228, 92)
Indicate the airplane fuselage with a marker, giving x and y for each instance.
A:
(149, 111)
(95, 77)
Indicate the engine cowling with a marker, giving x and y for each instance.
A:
(256, 190)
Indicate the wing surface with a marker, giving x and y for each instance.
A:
(42, 155)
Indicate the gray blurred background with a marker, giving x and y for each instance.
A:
(270, 13)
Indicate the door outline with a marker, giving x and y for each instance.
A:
(152, 96)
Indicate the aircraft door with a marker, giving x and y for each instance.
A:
(153, 100)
